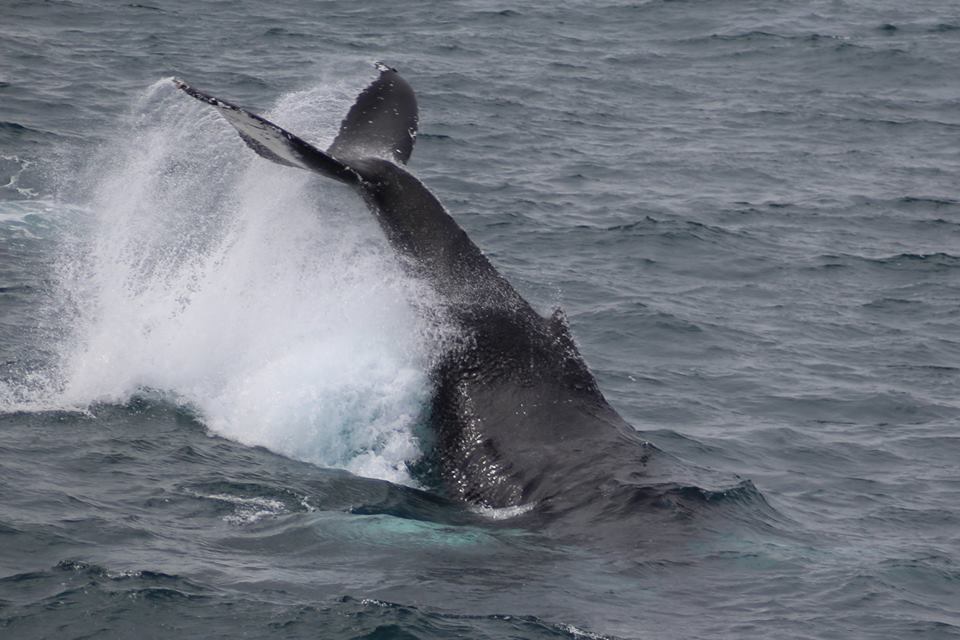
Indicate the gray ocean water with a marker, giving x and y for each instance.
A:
(213, 370)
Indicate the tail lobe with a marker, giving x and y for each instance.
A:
(273, 142)
(382, 122)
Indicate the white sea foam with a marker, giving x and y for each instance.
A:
(249, 510)
(262, 296)
(13, 180)
(503, 513)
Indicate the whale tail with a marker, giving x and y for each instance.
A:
(374, 141)
(382, 123)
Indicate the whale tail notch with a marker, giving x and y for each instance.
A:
(382, 123)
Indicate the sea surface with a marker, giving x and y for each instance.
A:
(214, 371)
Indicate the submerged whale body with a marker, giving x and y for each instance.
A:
(517, 415)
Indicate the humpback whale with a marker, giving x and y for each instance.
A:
(517, 417)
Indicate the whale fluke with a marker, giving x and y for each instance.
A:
(382, 123)
(273, 142)
(377, 134)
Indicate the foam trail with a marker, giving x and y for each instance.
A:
(263, 297)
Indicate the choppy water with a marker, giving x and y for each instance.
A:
(213, 370)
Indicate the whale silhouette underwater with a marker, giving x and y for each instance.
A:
(517, 417)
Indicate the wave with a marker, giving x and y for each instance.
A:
(767, 35)
(13, 126)
(896, 305)
(15, 132)
(147, 7)
(938, 261)
(668, 229)
(627, 499)
(50, 596)
(919, 27)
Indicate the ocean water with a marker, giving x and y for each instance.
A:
(213, 370)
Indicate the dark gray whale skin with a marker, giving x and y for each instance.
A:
(517, 417)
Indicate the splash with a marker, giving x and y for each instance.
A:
(261, 296)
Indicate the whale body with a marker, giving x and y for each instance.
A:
(517, 417)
